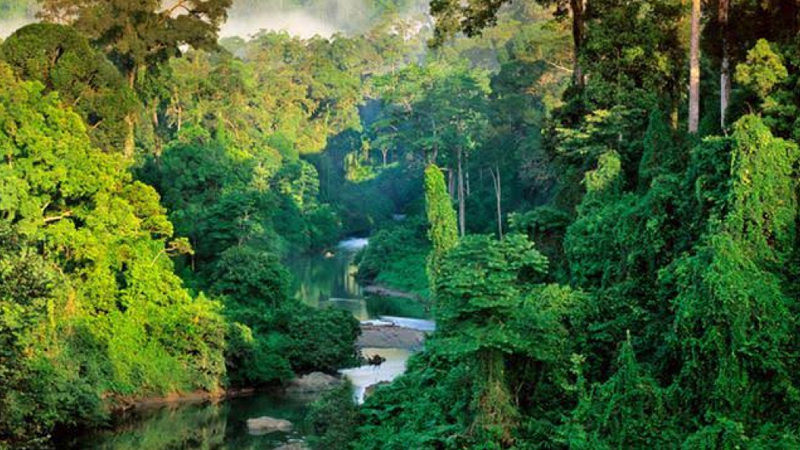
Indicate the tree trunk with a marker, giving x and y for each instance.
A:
(498, 195)
(725, 70)
(694, 69)
(497, 414)
(578, 26)
(788, 11)
(451, 183)
(130, 138)
(130, 121)
(466, 176)
(461, 197)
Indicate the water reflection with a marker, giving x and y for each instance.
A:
(201, 426)
(319, 278)
(322, 282)
(329, 281)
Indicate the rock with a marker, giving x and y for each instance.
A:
(371, 389)
(382, 291)
(266, 425)
(375, 360)
(373, 336)
(313, 383)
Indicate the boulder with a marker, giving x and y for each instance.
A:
(381, 336)
(313, 383)
(266, 425)
(371, 388)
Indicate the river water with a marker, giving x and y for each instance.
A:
(322, 281)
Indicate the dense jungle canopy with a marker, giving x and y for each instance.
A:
(597, 200)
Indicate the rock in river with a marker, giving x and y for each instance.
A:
(313, 383)
(266, 425)
(390, 336)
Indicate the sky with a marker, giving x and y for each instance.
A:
(247, 17)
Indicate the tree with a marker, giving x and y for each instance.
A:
(723, 15)
(449, 107)
(117, 321)
(762, 70)
(63, 60)
(141, 34)
(443, 231)
(472, 17)
(694, 68)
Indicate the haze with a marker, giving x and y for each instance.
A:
(248, 17)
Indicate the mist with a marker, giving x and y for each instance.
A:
(308, 18)
(302, 18)
(297, 23)
(8, 26)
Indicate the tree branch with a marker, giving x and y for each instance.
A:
(57, 218)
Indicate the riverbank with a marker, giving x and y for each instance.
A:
(121, 405)
(383, 291)
(374, 335)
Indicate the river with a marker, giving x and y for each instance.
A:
(322, 281)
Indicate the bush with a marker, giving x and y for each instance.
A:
(320, 339)
(333, 420)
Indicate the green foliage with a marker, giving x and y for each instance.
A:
(733, 319)
(604, 182)
(272, 335)
(546, 226)
(443, 231)
(763, 195)
(659, 154)
(147, 33)
(63, 60)
(254, 279)
(762, 70)
(395, 258)
(649, 58)
(681, 248)
(105, 316)
(320, 339)
(426, 408)
(333, 419)
(630, 410)
(498, 329)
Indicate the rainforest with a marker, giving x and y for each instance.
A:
(399, 224)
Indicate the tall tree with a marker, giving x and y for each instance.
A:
(725, 68)
(472, 17)
(694, 69)
(64, 62)
(578, 8)
(441, 217)
(141, 34)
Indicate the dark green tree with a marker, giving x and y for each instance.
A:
(63, 60)
(141, 34)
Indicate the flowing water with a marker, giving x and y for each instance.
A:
(322, 281)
